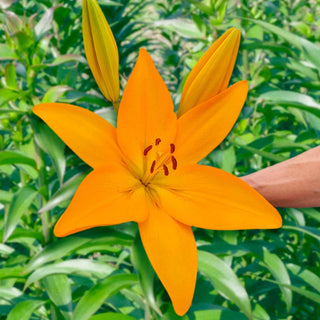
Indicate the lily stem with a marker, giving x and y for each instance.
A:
(245, 64)
(45, 216)
(147, 315)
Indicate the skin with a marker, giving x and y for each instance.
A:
(294, 183)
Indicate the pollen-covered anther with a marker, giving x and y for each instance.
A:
(172, 148)
(146, 150)
(174, 163)
(153, 166)
(158, 140)
(166, 170)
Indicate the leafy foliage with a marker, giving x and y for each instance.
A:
(104, 273)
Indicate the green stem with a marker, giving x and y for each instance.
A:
(245, 64)
(45, 220)
(45, 216)
(147, 315)
(12, 110)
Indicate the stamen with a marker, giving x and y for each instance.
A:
(166, 170)
(172, 147)
(174, 162)
(153, 166)
(146, 150)
(158, 140)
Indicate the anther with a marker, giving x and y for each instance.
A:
(158, 140)
(174, 162)
(166, 170)
(153, 166)
(146, 150)
(172, 147)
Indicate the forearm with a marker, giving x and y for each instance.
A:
(294, 183)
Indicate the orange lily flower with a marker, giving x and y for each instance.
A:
(146, 171)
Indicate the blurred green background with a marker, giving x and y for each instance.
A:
(103, 273)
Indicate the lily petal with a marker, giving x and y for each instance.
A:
(101, 50)
(210, 198)
(212, 72)
(107, 196)
(145, 113)
(172, 251)
(91, 137)
(204, 127)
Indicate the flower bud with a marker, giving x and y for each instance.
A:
(212, 72)
(101, 50)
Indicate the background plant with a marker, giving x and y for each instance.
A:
(104, 273)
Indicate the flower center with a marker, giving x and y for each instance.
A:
(157, 161)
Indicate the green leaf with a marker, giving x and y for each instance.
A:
(207, 9)
(84, 267)
(311, 212)
(66, 192)
(13, 22)
(51, 144)
(108, 114)
(59, 291)
(218, 314)
(104, 239)
(5, 196)
(280, 273)
(95, 297)
(55, 251)
(111, 316)
(307, 276)
(23, 39)
(6, 250)
(54, 93)
(145, 271)
(7, 95)
(262, 153)
(14, 157)
(292, 99)
(297, 216)
(225, 281)
(184, 27)
(10, 293)
(306, 293)
(224, 159)
(302, 69)
(6, 53)
(20, 203)
(24, 309)
(311, 231)
(11, 272)
(67, 58)
(311, 50)
(20, 235)
(10, 76)
(260, 313)
(45, 23)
